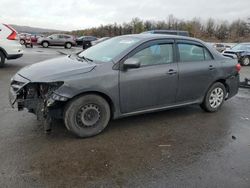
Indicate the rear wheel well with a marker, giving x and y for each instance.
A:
(224, 83)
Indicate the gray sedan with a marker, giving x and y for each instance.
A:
(124, 76)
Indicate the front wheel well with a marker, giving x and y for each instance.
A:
(104, 96)
(45, 41)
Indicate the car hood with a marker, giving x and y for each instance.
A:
(55, 69)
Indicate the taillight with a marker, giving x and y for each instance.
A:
(238, 67)
(13, 35)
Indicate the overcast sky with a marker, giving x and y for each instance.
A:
(79, 14)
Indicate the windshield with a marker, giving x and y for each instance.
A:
(242, 47)
(109, 49)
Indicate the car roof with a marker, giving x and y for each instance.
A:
(162, 36)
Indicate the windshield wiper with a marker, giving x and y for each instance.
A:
(85, 58)
(88, 59)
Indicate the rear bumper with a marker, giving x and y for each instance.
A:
(233, 84)
(12, 49)
(14, 56)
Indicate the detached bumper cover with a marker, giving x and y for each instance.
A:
(233, 85)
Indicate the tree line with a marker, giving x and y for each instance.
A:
(209, 30)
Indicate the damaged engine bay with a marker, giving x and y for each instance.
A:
(39, 99)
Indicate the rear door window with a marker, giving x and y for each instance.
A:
(193, 52)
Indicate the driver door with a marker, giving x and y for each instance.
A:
(152, 85)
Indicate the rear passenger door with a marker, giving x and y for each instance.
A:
(197, 70)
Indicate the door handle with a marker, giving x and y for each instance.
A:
(211, 67)
(172, 71)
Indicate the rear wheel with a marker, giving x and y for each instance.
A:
(214, 98)
(45, 44)
(246, 61)
(87, 115)
(2, 59)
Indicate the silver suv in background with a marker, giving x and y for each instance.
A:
(57, 40)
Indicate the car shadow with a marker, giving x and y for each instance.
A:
(168, 140)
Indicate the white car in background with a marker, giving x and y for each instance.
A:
(10, 48)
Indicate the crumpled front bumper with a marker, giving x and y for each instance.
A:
(16, 86)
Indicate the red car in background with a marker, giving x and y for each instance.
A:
(28, 41)
(23, 37)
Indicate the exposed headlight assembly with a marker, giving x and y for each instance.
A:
(46, 89)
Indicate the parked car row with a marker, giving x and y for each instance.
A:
(59, 40)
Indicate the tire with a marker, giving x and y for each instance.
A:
(84, 47)
(214, 98)
(87, 115)
(245, 61)
(45, 44)
(2, 59)
(22, 42)
(68, 45)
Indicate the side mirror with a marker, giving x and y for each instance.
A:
(131, 63)
(51, 38)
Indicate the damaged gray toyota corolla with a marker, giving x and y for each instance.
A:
(124, 76)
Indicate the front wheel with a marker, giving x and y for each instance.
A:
(214, 98)
(45, 44)
(87, 115)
